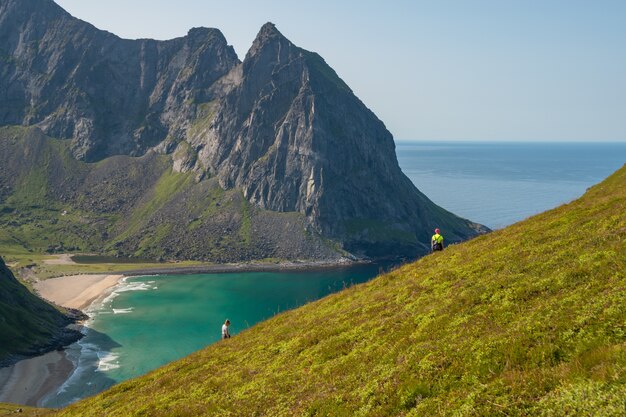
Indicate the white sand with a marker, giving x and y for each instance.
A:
(30, 380)
(76, 291)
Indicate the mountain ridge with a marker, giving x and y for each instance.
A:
(281, 127)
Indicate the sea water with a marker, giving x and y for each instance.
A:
(497, 184)
(150, 321)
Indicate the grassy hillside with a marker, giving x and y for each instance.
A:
(529, 320)
(22, 411)
(134, 207)
(28, 325)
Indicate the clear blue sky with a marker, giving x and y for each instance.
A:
(442, 70)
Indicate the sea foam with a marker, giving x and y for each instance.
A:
(107, 361)
(88, 355)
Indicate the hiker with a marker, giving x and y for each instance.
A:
(436, 243)
(225, 333)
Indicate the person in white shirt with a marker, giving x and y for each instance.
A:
(225, 333)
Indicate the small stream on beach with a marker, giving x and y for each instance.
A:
(149, 321)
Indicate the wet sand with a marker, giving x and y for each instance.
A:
(31, 380)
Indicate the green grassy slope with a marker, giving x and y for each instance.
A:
(529, 320)
(22, 411)
(27, 323)
(135, 207)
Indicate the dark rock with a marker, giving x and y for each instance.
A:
(39, 323)
(280, 129)
(110, 96)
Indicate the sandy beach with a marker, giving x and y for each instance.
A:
(30, 380)
(76, 291)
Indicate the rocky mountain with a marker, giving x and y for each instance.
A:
(28, 325)
(312, 170)
(110, 96)
(134, 206)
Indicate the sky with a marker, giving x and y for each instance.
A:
(523, 70)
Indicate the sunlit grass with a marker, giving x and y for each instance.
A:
(22, 411)
(528, 320)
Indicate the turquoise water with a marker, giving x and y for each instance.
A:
(150, 321)
(498, 184)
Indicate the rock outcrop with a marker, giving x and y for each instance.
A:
(292, 135)
(281, 126)
(110, 96)
(28, 325)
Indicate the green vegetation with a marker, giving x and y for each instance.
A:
(37, 264)
(207, 206)
(169, 185)
(123, 206)
(204, 118)
(12, 410)
(245, 232)
(31, 218)
(528, 320)
(27, 323)
(184, 151)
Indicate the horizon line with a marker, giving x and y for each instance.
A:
(467, 140)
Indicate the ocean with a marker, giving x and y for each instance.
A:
(149, 321)
(498, 184)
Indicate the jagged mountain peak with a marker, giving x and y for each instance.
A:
(268, 30)
(281, 128)
(26, 16)
(201, 34)
(46, 6)
(267, 38)
(109, 95)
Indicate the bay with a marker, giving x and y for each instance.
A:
(150, 321)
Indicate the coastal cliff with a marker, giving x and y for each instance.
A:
(532, 327)
(28, 325)
(269, 157)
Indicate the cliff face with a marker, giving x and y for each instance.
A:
(28, 325)
(108, 95)
(281, 126)
(293, 136)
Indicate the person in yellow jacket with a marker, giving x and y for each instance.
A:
(436, 243)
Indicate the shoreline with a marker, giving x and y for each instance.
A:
(245, 267)
(32, 380)
(76, 291)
